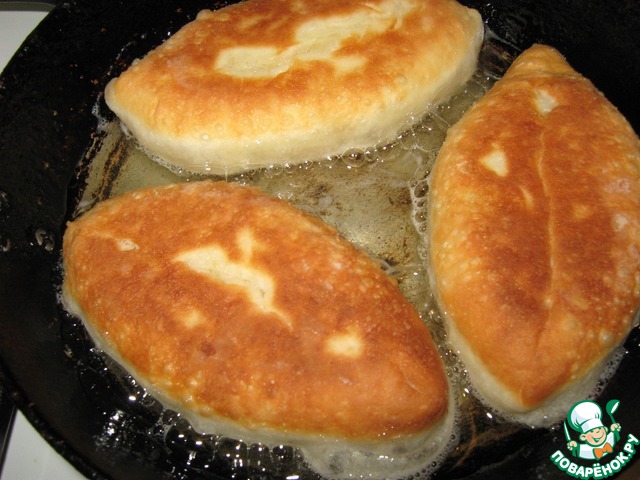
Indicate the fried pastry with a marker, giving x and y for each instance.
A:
(534, 236)
(235, 307)
(266, 82)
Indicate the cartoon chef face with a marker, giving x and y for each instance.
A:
(595, 437)
(597, 440)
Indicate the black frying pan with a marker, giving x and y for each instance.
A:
(107, 427)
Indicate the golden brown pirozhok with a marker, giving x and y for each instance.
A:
(233, 305)
(535, 232)
(281, 81)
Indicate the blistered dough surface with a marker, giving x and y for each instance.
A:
(232, 304)
(267, 82)
(535, 231)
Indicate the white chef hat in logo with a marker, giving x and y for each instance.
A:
(585, 416)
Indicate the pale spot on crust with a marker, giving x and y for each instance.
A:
(496, 161)
(348, 63)
(213, 262)
(606, 337)
(545, 102)
(316, 40)
(620, 221)
(528, 198)
(346, 344)
(125, 245)
(247, 243)
(193, 318)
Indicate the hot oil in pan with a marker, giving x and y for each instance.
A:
(377, 198)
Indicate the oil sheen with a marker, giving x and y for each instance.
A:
(376, 198)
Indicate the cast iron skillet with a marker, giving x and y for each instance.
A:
(47, 127)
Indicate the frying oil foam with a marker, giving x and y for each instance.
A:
(392, 164)
(317, 188)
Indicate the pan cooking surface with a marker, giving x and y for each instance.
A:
(57, 136)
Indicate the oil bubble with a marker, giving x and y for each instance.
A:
(259, 457)
(421, 189)
(233, 452)
(474, 90)
(453, 110)
(420, 217)
(45, 239)
(284, 455)
(354, 157)
(4, 201)
(274, 170)
(5, 243)
(406, 139)
(430, 132)
(291, 168)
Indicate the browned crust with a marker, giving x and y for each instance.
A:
(200, 97)
(538, 269)
(239, 362)
(176, 96)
